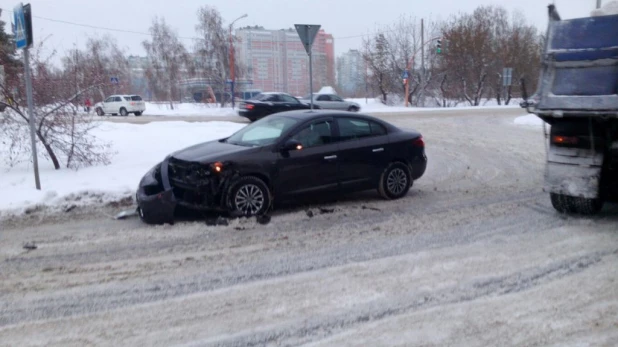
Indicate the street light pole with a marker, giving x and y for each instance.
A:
(232, 61)
(599, 3)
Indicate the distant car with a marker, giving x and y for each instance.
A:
(284, 157)
(332, 102)
(122, 105)
(265, 104)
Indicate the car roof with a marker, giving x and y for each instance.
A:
(314, 114)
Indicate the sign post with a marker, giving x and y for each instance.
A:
(22, 16)
(507, 76)
(307, 33)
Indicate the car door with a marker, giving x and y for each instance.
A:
(291, 103)
(363, 152)
(107, 104)
(323, 100)
(312, 169)
(338, 103)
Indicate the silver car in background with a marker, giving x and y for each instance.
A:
(332, 102)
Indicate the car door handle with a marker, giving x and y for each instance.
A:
(330, 157)
(375, 150)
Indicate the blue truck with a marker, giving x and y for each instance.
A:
(577, 98)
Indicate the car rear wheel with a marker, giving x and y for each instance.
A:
(123, 112)
(100, 112)
(353, 109)
(395, 181)
(249, 196)
(576, 205)
(138, 113)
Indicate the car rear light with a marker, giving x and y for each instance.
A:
(565, 140)
(418, 142)
(249, 106)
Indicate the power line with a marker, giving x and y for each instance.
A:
(148, 34)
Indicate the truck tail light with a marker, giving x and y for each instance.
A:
(565, 140)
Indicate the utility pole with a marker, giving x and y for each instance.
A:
(232, 60)
(599, 3)
(22, 16)
(422, 97)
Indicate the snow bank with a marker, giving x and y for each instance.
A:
(138, 147)
(188, 109)
(610, 8)
(374, 105)
(529, 120)
(327, 90)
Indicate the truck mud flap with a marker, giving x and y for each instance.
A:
(573, 180)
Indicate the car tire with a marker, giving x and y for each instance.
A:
(149, 219)
(575, 205)
(100, 112)
(395, 181)
(123, 112)
(353, 109)
(138, 114)
(249, 196)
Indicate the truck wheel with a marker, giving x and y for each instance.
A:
(575, 205)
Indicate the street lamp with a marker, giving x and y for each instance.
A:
(232, 62)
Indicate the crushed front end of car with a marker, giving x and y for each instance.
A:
(176, 182)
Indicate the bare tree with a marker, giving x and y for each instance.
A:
(65, 136)
(168, 60)
(95, 65)
(377, 55)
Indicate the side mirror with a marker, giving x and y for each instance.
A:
(292, 145)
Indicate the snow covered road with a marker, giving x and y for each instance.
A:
(474, 255)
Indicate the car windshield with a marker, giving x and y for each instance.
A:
(264, 132)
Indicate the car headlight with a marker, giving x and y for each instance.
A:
(150, 178)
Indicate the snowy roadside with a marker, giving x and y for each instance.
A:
(137, 147)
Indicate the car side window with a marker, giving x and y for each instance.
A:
(354, 128)
(335, 98)
(273, 98)
(289, 99)
(110, 99)
(315, 134)
(323, 98)
(118, 99)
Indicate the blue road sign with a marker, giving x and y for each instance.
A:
(113, 80)
(405, 75)
(21, 34)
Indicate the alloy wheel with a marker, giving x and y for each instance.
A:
(249, 199)
(396, 181)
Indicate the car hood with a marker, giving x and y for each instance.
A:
(211, 151)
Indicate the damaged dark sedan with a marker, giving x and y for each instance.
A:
(284, 157)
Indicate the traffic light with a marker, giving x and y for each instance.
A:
(439, 46)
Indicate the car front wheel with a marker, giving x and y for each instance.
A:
(353, 109)
(395, 181)
(249, 196)
(100, 112)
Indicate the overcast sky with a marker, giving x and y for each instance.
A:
(346, 20)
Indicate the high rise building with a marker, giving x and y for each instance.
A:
(351, 73)
(275, 60)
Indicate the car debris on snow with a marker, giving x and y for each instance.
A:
(30, 246)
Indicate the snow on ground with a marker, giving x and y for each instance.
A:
(187, 109)
(530, 120)
(374, 105)
(367, 105)
(138, 147)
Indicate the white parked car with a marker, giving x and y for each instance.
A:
(122, 105)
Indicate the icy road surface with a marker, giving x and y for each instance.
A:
(474, 255)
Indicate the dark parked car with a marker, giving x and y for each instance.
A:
(284, 157)
(265, 104)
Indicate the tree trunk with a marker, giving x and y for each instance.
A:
(50, 151)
